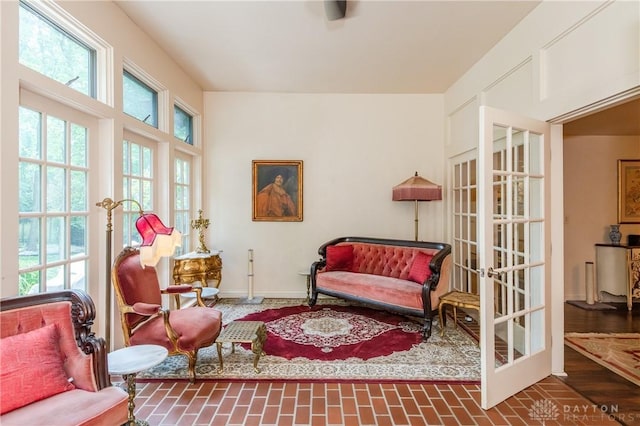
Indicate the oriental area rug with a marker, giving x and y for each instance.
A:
(619, 352)
(332, 341)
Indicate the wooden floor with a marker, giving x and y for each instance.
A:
(598, 384)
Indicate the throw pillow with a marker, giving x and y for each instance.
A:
(420, 270)
(340, 258)
(32, 368)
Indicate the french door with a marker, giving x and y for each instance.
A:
(514, 247)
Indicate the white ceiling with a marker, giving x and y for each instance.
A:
(417, 46)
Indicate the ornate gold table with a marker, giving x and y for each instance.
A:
(195, 266)
(457, 299)
(254, 332)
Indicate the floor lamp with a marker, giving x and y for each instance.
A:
(157, 241)
(416, 189)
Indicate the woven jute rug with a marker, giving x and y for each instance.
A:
(619, 352)
(333, 341)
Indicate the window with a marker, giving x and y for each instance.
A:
(49, 49)
(182, 125)
(139, 100)
(182, 210)
(52, 196)
(137, 184)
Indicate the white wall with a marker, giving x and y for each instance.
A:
(591, 202)
(354, 148)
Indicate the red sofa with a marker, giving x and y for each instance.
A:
(53, 370)
(406, 277)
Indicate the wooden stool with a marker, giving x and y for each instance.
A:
(457, 299)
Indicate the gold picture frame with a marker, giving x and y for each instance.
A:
(628, 191)
(277, 190)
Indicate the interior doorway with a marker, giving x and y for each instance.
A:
(592, 146)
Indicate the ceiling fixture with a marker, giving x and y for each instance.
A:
(335, 9)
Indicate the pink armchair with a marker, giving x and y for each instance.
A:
(52, 367)
(145, 321)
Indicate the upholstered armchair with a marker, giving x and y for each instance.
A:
(145, 321)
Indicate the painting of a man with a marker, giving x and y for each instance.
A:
(273, 200)
(277, 189)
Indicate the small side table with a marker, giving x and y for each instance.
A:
(254, 332)
(128, 362)
(457, 299)
(308, 275)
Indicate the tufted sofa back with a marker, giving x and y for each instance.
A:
(384, 260)
(77, 364)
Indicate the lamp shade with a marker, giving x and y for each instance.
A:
(157, 239)
(417, 188)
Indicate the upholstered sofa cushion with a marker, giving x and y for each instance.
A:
(73, 408)
(340, 258)
(420, 270)
(384, 290)
(32, 368)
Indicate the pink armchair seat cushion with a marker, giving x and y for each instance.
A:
(196, 327)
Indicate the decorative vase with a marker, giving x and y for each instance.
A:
(614, 234)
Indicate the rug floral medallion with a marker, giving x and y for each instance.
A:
(333, 341)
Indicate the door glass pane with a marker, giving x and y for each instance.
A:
(520, 327)
(78, 274)
(78, 235)
(55, 278)
(501, 348)
(536, 202)
(56, 140)
(29, 282)
(536, 161)
(537, 330)
(78, 191)
(536, 281)
(56, 189)
(29, 242)
(30, 142)
(78, 155)
(56, 239)
(518, 160)
(29, 187)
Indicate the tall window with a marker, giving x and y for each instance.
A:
(182, 210)
(137, 184)
(49, 49)
(140, 100)
(182, 125)
(52, 196)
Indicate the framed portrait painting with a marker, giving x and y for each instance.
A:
(277, 190)
(628, 191)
